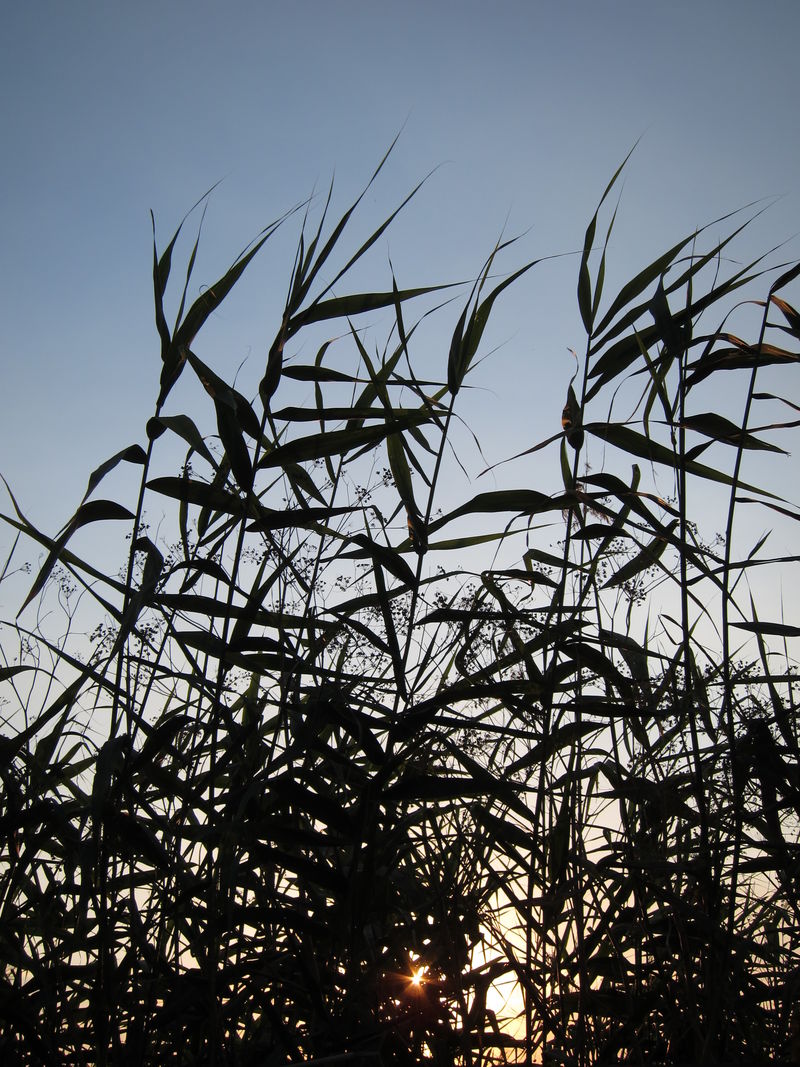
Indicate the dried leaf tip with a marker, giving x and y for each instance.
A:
(571, 422)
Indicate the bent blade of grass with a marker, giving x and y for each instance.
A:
(184, 427)
(132, 454)
(644, 559)
(586, 305)
(314, 373)
(522, 501)
(91, 511)
(335, 442)
(646, 448)
(191, 491)
(720, 429)
(358, 304)
(739, 356)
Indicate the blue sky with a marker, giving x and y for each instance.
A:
(525, 109)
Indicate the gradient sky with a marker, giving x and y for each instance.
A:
(109, 110)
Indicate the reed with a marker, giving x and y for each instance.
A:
(306, 755)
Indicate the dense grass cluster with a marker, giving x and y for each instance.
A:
(304, 755)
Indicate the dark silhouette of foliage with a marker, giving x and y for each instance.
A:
(301, 758)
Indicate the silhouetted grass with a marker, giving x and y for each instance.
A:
(303, 754)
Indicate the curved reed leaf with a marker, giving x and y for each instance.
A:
(184, 427)
(738, 356)
(769, 629)
(307, 373)
(521, 501)
(91, 511)
(586, 305)
(388, 558)
(9, 672)
(131, 454)
(646, 448)
(790, 314)
(356, 304)
(203, 494)
(721, 429)
(647, 557)
(334, 442)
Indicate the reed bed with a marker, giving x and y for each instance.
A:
(302, 755)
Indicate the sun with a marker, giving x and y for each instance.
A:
(418, 977)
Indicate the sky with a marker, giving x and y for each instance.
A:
(522, 111)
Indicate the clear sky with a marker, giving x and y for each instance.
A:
(108, 110)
